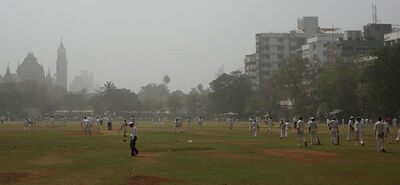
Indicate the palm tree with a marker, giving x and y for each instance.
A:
(166, 79)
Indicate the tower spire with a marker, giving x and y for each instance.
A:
(7, 76)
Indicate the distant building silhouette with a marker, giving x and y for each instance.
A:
(30, 70)
(61, 72)
(82, 82)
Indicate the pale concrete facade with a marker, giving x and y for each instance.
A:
(392, 38)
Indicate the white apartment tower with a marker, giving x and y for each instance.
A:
(272, 48)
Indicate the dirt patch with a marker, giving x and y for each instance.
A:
(245, 142)
(12, 177)
(150, 180)
(308, 156)
(49, 160)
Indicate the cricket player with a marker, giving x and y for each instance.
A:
(63, 121)
(300, 133)
(26, 124)
(387, 130)
(188, 121)
(134, 151)
(230, 123)
(178, 125)
(312, 129)
(333, 127)
(86, 126)
(350, 133)
(282, 127)
(124, 127)
(200, 121)
(254, 127)
(109, 123)
(380, 135)
(287, 128)
(270, 124)
(358, 126)
(1, 120)
(398, 126)
(294, 122)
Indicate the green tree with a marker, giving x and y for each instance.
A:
(175, 101)
(229, 93)
(339, 88)
(380, 82)
(295, 80)
(153, 96)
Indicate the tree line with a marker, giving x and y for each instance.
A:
(367, 88)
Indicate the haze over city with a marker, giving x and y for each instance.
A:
(136, 42)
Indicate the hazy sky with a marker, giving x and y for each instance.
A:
(135, 42)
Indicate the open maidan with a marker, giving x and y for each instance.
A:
(205, 92)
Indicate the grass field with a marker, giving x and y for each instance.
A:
(217, 155)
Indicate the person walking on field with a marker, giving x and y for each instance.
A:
(86, 126)
(270, 124)
(398, 126)
(350, 133)
(230, 123)
(358, 126)
(178, 125)
(109, 123)
(312, 128)
(254, 127)
(287, 129)
(188, 122)
(380, 135)
(333, 127)
(387, 129)
(282, 127)
(200, 122)
(294, 122)
(300, 133)
(134, 151)
(124, 127)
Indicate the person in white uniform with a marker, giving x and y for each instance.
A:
(312, 128)
(188, 121)
(350, 133)
(178, 125)
(387, 130)
(124, 127)
(230, 123)
(282, 127)
(333, 127)
(287, 129)
(398, 126)
(254, 127)
(200, 122)
(270, 124)
(380, 135)
(358, 126)
(86, 126)
(63, 121)
(300, 133)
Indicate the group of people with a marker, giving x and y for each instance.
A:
(355, 130)
(178, 124)
(32, 121)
